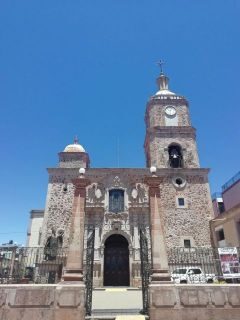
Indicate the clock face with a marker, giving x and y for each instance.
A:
(170, 111)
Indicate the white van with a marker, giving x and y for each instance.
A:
(191, 275)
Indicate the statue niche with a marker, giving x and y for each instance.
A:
(53, 244)
(95, 194)
(138, 194)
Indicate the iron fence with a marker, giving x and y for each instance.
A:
(89, 270)
(204, 265)
(31, 265)
(146, 259)
(186, 265)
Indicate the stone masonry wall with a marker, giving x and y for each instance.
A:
(194, 302)
(58, 210)
(42, 302)
(73, 164)
(167, 301)
(157, 115)
(191, 221)
(159, 152)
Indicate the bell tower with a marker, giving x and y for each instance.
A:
(170, 140)
(183, 189)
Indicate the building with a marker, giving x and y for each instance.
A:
(226, 205)
(169, 199)
(9, 264)
(35, 228)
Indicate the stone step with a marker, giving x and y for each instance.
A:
(117, 317)
(114, 301)
(115, 312)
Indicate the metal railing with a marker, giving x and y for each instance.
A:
(231, 181)
(204, 265)
(186, 265)
(31, 265)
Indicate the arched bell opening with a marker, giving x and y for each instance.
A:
(175, 156)
(116, 261)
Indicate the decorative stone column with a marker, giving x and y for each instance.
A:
(97, 243)
(136, 242)
(74, 267)
(160, 270)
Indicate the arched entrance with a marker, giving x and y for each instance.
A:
(116, 261)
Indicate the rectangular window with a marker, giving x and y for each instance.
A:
(181, 202)
(221, 207)
(195, 271)
(187, 243)
(116, 200)
(220, 235)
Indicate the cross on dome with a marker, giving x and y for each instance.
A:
(75, 141)
(75, 147)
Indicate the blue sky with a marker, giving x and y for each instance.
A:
(88, 68)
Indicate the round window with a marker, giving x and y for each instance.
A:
(179, 182)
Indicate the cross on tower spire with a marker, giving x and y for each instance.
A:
(76, 140)
(160, 64)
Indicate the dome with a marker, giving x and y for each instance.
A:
(75, 147)
(165, 92)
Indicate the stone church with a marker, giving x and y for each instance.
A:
(170, 197)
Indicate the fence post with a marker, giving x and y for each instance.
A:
(13, 255)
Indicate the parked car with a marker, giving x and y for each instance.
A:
(191, 275)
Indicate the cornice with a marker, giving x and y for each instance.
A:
(172, 130)
(36, 213)
(63, 171)
(164, 101)
(92, 172)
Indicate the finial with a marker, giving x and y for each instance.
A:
(162, 80)
(82, 172)
(153, 171)
(76, 140)
(160, 64)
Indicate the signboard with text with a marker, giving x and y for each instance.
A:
(230, 262)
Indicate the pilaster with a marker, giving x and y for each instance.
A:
(74, 267)
(160, 270)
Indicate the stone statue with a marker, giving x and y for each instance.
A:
(51, 247)
(95, 194)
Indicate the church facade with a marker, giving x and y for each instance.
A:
(118, 200)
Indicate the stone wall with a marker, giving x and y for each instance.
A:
(58, 210)
(191, 221)
(73, 160)
(42, 302)
(167, 301)
(158, 150)
(194, 302)
(157, 115)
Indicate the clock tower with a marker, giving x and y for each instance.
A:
(170, 146)
(170, 138)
